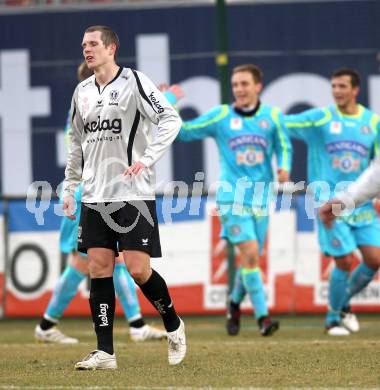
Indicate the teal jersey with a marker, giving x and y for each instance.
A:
(340, 147)
(246, 146)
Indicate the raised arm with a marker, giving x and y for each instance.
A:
(303, 126)
(204, 125)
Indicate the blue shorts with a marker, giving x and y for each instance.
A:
(68, 237)
(347, 233)
(246, 227)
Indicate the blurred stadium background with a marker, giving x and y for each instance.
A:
(297, 43)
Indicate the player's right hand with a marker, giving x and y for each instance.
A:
(330, 210)
(69, 207)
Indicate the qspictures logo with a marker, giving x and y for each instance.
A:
(104, 125)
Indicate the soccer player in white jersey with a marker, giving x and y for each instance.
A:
(76, 271)
(112, 154)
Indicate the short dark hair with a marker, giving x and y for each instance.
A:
(354, 75)
(83, 71)
(255, 71)
(108, 36)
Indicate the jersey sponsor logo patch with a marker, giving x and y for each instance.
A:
(335, 127)
(236, 124)
(347, 146)
(156, 103)
(104, 125)
(247, 140)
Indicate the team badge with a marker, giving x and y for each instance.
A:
(264, 124)
(235, 230)
(365, 130)
(335, 127)
(249, 157)
(114, 95)
(346, 163)
(336, 243)
(236, 124)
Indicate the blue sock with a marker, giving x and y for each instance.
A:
(254, 286)
(126, 291)
(337, 292)
(238, 291)
(359, 279)
(63, 293)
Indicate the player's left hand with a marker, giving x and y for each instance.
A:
(282, 175)
(330, 210)
(134, 169)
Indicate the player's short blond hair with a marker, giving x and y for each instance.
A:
(255, 71)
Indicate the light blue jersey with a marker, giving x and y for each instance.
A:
(246, 146)
(340, 148)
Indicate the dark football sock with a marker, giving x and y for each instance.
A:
(102, 303)
(156, 291)
(137, 323)
(46, 324)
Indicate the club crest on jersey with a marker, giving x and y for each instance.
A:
(264, 124)
(346, 163)
(114, 96)
(234, 230)
(365, 130)
(236, 124)
(249, 157)
(335, 127)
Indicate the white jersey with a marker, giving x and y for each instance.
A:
(366, 187)
(111, 129)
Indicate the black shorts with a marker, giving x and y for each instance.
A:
(120, 226)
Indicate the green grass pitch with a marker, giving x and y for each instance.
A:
(300, 355)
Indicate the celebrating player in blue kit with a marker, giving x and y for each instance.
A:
(342, 139)
(247, 134)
